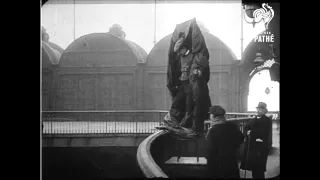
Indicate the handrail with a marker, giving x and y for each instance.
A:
(107, 111)
(148, 166)
(89, 127)
(231, 119)
(275, 114)
(128, 111)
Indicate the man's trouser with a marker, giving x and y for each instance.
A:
(182, 102)
(202, 102)
(260, 158)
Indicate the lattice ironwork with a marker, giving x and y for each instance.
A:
(266, 64)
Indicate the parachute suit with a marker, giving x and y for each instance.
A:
(198, 77)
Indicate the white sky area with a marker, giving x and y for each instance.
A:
(258, 84)
(138, 21)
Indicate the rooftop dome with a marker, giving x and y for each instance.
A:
(103, 50)
(50, 56)
(51, 52)
(219, 52)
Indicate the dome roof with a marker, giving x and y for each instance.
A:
(219, 52)
(138, 51)
(50, 56)
(56, 47)
(102, 50)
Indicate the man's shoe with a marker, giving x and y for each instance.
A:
(193, 134)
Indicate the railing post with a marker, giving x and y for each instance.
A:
(115, 123)
(242, 126)
(107, 125)
(68, 127)
(159, 118)
(51, 127)
(135, 119)
(87, 127)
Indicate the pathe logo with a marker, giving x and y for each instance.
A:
(264, 37)
(264, 14)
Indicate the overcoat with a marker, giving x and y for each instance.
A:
(195, 42)
(258, 151)
(223, 142)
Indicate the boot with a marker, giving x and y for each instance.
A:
(193, 134)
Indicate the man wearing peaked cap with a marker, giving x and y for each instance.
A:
(217, 111)
(187, 77)
(178, 44)
(184, 94)
(223, 140)
(258, 133)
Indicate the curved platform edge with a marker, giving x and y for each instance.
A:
(148, 166)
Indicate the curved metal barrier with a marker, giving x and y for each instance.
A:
(148, 166)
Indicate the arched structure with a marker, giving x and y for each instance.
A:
(248, 69)
(247, 65)
(101, 71)
(51, 54)
(262, 88)
(223, 78)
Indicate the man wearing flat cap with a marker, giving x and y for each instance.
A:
(184, 94)
(223, 142)
(257, 132)
(188, 89)
(187, 76)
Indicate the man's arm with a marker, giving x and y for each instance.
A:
(262, 131)
(240, 136)
(210, 138)
(199, 63)
(173, 70)
(247, 127)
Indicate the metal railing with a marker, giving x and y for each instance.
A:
(101, 122)
(241, 122)
(275, 115)
(73, 127)
(116, 121)
(241, 119)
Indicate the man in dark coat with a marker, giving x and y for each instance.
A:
(257, 131)
(183, 101)
(223, 142)
(187, 76)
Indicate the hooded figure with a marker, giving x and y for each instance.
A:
(187, 76)
(223, 141)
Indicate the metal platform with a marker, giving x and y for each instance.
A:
(187, 161)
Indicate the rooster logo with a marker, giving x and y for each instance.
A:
(265, 13)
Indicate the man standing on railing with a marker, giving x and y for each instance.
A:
(256, 146)
(223, 141)
(183, 98)
(187, 76)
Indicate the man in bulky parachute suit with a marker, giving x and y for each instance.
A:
(187, 77)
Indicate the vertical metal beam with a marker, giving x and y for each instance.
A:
(241, 61)
(155, 20)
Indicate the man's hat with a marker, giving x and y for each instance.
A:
(178, 44)
(217, 111)
(262, 105)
